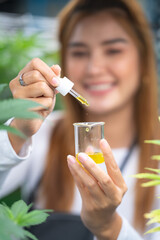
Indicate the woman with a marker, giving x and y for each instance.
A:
(106, 50)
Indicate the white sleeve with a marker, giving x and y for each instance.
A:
(15, 169)
(128, 232)
(8, 157)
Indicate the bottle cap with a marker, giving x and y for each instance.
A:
(65, 85)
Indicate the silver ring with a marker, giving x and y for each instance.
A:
(22, 83)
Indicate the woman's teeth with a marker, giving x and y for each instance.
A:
(100, 87)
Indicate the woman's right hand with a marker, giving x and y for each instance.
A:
(40, 87)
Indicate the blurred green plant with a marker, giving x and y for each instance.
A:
(17, 51)
(154, 179)
(14, 219)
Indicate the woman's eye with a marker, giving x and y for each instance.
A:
(79, 54)
(113, 51)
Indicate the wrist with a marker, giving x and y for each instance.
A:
(111, 230)
(16, 141)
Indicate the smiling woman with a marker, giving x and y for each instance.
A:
(107, 51)
(108, 60)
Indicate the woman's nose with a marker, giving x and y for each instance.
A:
(96, 64)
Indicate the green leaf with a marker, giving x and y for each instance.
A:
(9, 230)
(33, 218)
(18, 108)
(153, 170)
(147, 176)
(157, 229)
(150, 183)
(154, 220)
(2, 87)
(5, 211)
(19, 209)
(155, 157)
(13, 219)
(157, 142)
(12, 130)
(30, 235)
(152, 213)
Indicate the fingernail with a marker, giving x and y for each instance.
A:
(104, 143)
(55, 81)
(57, 67)
(70, 159)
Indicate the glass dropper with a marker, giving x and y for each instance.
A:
(78, 97)
(65, 86)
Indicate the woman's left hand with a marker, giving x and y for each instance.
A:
(101, 193)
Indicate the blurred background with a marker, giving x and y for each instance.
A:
(28, 29)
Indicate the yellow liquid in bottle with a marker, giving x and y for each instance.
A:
(97, 157)
(82, 100)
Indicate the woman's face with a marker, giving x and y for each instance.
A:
(103, 62)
